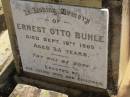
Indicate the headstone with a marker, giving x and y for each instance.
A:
(61, 42)
(67, 46)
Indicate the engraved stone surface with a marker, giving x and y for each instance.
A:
(63, 42)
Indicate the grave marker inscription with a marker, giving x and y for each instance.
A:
(63, 42)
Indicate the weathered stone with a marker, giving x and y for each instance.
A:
(22, 90)
(6, 65)
(6, 55)
(115, 10)
(85, 3)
